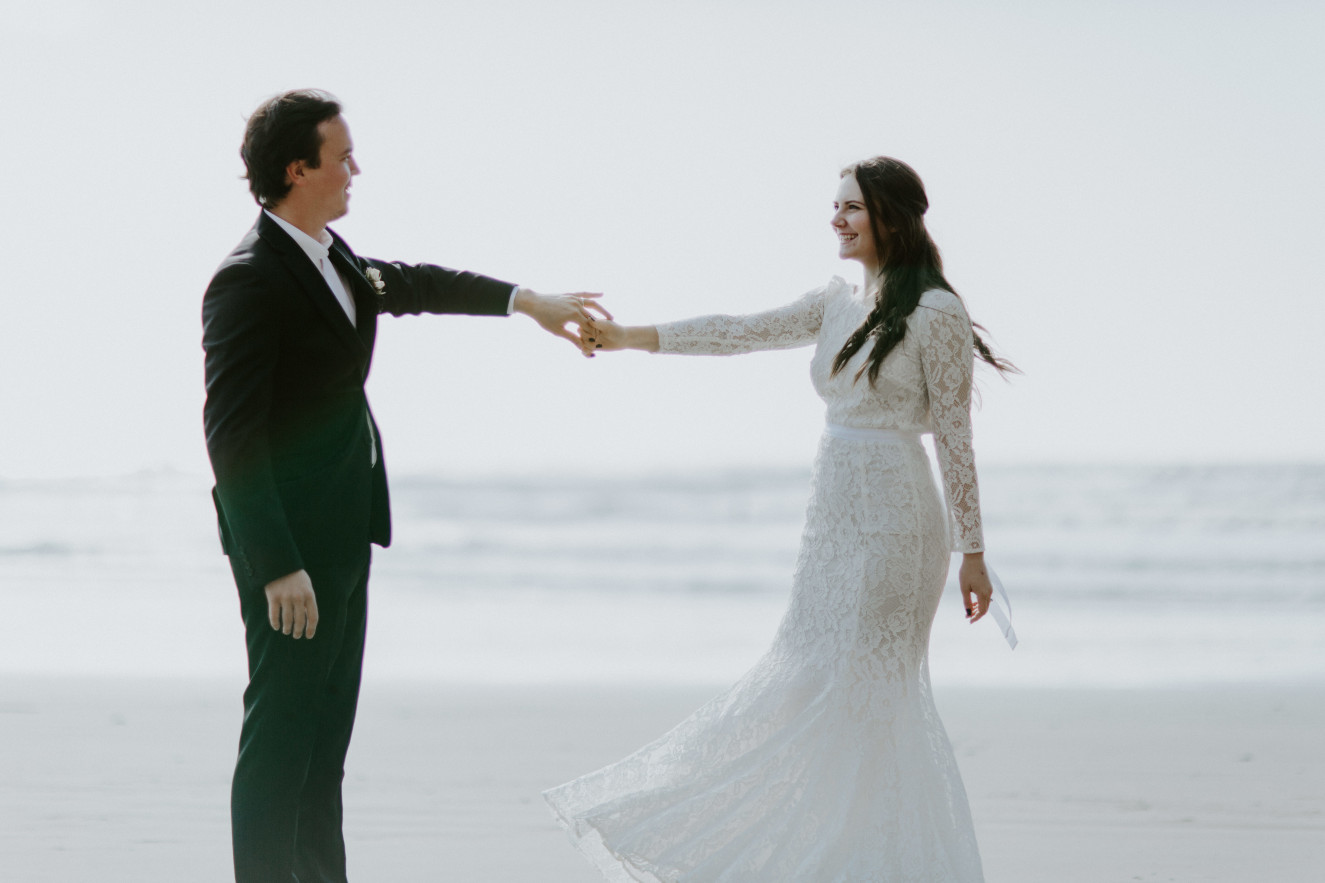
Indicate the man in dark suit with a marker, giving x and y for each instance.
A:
(289, 322)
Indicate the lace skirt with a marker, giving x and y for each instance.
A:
(826, 762)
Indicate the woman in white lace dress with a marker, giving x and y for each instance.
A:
(827, 762)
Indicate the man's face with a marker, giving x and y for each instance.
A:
(326, 189)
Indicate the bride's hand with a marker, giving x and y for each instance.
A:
(977, 590)
(601, 334)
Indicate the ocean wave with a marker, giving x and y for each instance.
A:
(41, 550)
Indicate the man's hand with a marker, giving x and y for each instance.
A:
(292, 606)
(555, 311)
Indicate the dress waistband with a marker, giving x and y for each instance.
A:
(855, 433)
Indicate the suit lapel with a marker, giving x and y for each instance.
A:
(312, 283)
(365, 298)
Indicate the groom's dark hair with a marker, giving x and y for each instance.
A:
(282, 130)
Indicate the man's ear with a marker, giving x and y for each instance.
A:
(294, 173)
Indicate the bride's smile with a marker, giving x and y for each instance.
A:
(851, 220)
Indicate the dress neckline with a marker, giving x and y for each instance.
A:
(857, 292)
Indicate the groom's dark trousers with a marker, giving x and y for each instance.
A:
(301, 485)
(298, 716)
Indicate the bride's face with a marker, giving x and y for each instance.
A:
(851, 220)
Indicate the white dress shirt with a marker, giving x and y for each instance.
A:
(319, 252)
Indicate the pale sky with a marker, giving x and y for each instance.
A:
(1128, 196)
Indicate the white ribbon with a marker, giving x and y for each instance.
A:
(1004, 619)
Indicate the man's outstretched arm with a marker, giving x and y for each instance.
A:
(410, 289)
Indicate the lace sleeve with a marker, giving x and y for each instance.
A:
(796, 324)
(944, 334)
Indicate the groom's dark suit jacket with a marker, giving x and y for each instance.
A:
(289, 431)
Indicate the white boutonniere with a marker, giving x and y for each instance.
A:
(375, 279)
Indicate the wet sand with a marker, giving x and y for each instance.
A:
(128, 780)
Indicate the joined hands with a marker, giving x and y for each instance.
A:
(555, 311)
(604, 334)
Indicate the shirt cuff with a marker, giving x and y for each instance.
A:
(510, 304)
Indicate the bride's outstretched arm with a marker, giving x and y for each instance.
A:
(793, 325)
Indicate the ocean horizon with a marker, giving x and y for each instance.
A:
(1120, 575)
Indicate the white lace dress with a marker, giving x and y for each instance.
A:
(826, 762)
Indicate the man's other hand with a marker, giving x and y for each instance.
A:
(292, 606)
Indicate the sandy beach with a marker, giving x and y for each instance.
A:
(127, 780)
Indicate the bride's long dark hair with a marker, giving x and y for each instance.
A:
(909, 263)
